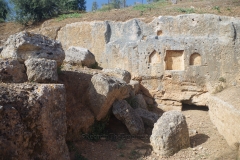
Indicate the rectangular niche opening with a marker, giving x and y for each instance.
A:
(174, 60)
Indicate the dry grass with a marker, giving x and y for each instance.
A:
(146, 12)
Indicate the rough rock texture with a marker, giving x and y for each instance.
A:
(103, 91)
(149, 118)
(172, 53)
(11, 71)
(1, 48)
(224, 111)
(176, 59)
(91, 35)
(33, 121)
(170, 134)
(79, 116)
(148, 100)
(119, 73)
(41, 70)
(79, 56)
(136, 87)
(25, 45)
(49, 31)
(125, 113)
(140, 102)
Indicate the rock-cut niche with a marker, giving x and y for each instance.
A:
(195, 59)
(174, 60)
(154, 57)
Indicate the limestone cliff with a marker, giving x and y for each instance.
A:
(192, 53)
(177, 59)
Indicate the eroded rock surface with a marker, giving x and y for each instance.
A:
(11, 71)
(41, 70)
(33, 121)
(79, 56)
(103, 91)
(79, 116)
(149, 118)
(125, 113)
(119, 73)
(170, 134)
(25, 45)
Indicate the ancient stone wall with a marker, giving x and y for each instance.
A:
(177, 59)
(199, 49)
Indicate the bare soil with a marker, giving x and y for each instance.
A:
(206, 142)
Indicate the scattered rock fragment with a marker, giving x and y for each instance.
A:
(80, 56)
(125, 113)
(103, 91)
(149, 118)
(170, 134)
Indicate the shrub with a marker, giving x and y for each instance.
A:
(71, 15)
(186, 10)
(4, 10)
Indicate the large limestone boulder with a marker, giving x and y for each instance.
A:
(33, 121)
(25, 45)
(170, 134)
(103, 91)
(79, 56)
(41, 70)
(119, 73)
(139, 101)
(11, 71)
(149, 118)
(125, 113)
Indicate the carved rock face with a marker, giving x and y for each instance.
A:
(170, 134)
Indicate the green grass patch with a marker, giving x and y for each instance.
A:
(145, 7)
(71, 15)
(221, 79)
(217, 8)
(186, 10)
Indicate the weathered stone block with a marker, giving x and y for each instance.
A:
(33, 121)
(11, 71)
(25, 45)
(125, 113)
(79, 56)
(103, 91)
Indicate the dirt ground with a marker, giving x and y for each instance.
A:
(206, 142)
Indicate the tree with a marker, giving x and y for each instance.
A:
(74, 5)
(124, 3)
(94, 6)
(4, 10)
(35, 10)
(116, 3)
